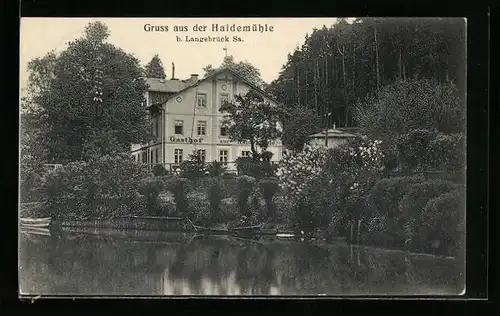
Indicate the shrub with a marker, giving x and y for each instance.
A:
(159, 170)
(313, 210)
(216, 169)
(151, 188)
(387, 193)
(32, 181)
(447, 152)
(257, 166)
(103, 187)
(443, 220)
(268, 188)
(199, 212)
(194, 167)
(390, 160)
(248, 166)
(353, 168)
(413, 149)
(414, 201)
(297, 170)
(179, 188)
(215, 195)
(245, 187)
(411, 104)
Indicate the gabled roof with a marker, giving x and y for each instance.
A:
(189, 84)
(332, 133)
(166, 85)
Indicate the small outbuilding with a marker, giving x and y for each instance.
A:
(335, 137)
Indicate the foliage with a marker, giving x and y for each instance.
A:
(391, 158)
(258, 166)
(385, 223)
(409, 105)
(387, 193)
(345, 175)
(352, 169)
(154, 69)
(81, 93)
(101, 143)
(429, 150)
(298, 124)
(296, 171)
(414, 201)
(268, 188)
(194, 167)
(243, 68)
(32, 154)
(245, 187)
(413, 149)
(104, 187)
(335, 65)
(216, 169)
(159, 170)
(151, 188)
(215, 195)
(443, 219)
(179, 188)
(251, 119)
(448, 152)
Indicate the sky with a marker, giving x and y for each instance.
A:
(266, 50)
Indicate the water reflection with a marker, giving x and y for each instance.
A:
(92, 265)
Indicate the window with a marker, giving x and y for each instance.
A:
(157, 155)
(224, 98)
(201, 128)
(223, 130)
(177, 156)
(144, 157)
(246, 153)
(202, 154)
(179, 127)
(201, 100)
(152, 156)
(157, 128)
(223, 154)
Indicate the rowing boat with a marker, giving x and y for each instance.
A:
(36, 231)
(35, 222)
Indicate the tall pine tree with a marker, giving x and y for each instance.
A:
(154, 69)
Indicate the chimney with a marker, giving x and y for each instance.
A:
(173, 71)
(194, 77)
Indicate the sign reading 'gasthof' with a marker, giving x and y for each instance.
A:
(188, 140)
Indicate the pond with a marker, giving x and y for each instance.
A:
(184, 264)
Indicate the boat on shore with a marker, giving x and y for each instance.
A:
(35, 231)
(35, 222)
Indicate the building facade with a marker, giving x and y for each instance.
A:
(185, 117)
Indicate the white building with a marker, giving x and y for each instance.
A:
(335, 138)
(185, 116)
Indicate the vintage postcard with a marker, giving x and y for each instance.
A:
(242, 156)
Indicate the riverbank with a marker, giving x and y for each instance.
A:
(161, 226)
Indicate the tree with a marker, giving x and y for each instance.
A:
(298, 124)
(154, 69)
(409, 105)
(89, 89)
(340, 64)
(244, 68)
(252, 119)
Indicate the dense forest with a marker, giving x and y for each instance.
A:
(341, 65)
